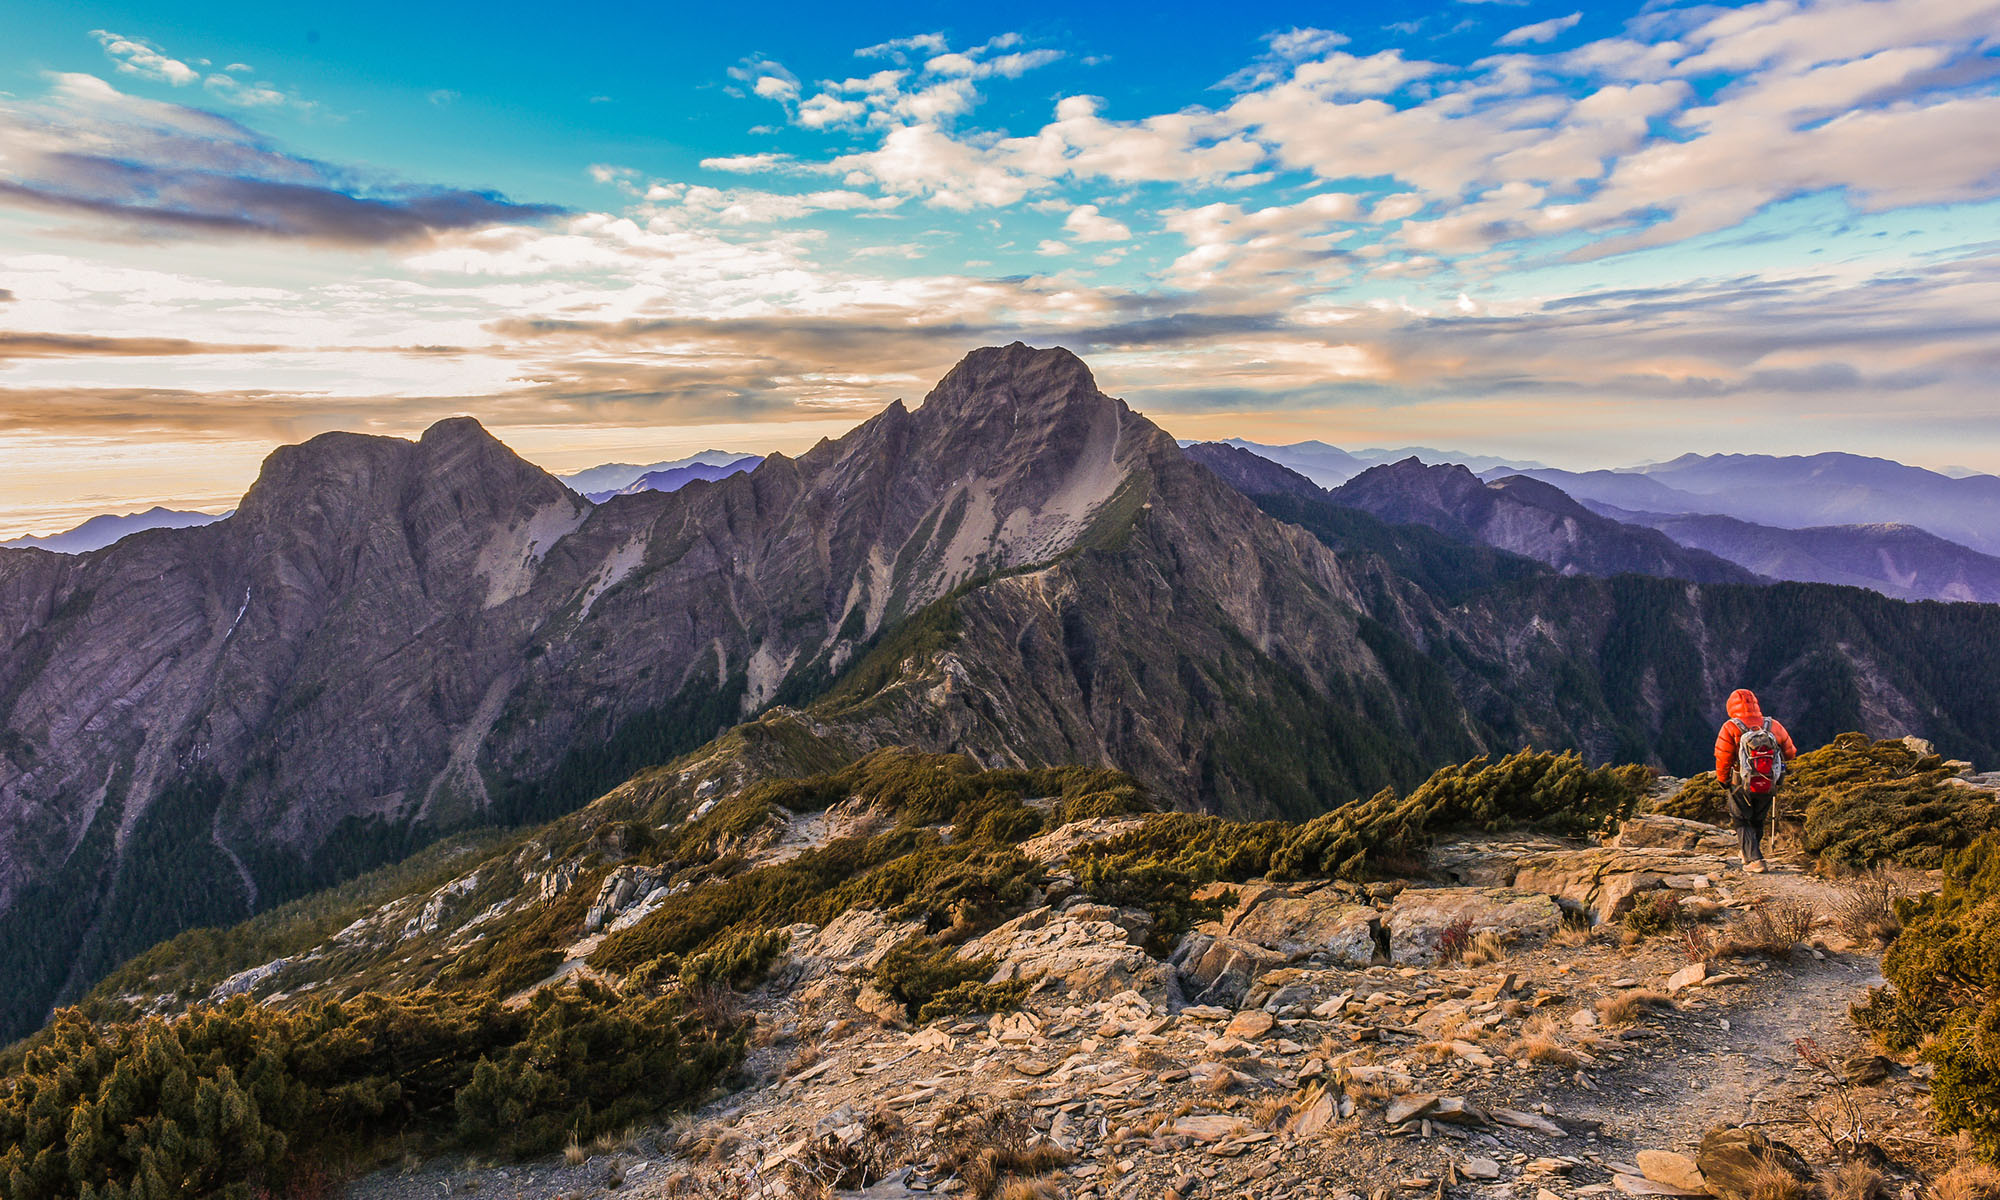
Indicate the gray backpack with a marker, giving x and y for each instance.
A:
(1759, 763)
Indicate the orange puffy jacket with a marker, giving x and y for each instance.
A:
(1743, 707)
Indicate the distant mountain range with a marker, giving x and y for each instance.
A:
(673, 479)
(1331, 466)
(99, 532)
(1826, 518)
(1896, 560)
(1796, 492)
(1515, 514)
(613, 478)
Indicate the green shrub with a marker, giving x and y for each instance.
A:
(587, 1064)
(740, 960)
(1912, 821)
(239, 1099)
(1159, 866)
(930, 981)
(1943, 997)
(1702, 798)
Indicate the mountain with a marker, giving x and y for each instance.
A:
(1796, 492)
(612, 477)
(1330, 466)
(674, 479)
(1327, 466)
(1250, 473)
(99, 532)
(392, 640)
(1896, 560)
(1526, 517)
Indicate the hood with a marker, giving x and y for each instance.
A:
(1744, 707)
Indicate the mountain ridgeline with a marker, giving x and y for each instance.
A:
(390, 640)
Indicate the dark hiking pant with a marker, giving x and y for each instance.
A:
(1750, 814)
(1751, 838)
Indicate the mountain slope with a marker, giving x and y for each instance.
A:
(1896, 560)
(1526, 517)
(99, 532)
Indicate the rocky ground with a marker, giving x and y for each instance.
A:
(1310, 1043)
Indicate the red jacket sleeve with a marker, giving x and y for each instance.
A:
(1785, 746)
(1725, 750)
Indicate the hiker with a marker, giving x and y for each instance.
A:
(1751, 751)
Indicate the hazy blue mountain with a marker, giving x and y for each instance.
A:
(99, 532)
(1897, 560)
(1331, 466)
(1798, 492)
(674, 479)
(613, 477)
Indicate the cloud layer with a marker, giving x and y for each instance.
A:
(1600, 244)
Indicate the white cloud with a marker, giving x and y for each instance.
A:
(1540, 31)
(1086, 224)
(747, 163)
(900, 48)
(137, 57)
(1051, 248)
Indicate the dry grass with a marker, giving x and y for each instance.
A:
(1773, 1182)
(574, 1154)
(1044, 1188)
(1272, 1112)
(1628, 1006)
(1857, 1181)
(988, 1148)
(1453, 941)
(1771, 929)
(1487, 947)
(1575, 930)
(1864, 907)
(805, 1057)
(1969, 1179)
(1539, 1045)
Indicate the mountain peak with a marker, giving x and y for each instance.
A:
(1012, 376)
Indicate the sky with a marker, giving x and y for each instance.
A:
(1589, 236)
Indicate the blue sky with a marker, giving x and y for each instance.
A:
(1586, 236)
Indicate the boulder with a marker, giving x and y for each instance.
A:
(1605, 880)
(1674, 1170)
(1218, 970)
(1088, 952)
(1730, 1159)
(1322, 922)
(853, 943)
(1052, 848)
(1420, 915)
(1653, 831)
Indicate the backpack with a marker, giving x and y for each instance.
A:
(1759, 765)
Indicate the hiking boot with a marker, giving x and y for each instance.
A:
(1755, 868)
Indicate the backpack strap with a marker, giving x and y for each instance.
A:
(1741, 728)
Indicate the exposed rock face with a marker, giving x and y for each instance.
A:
(1084, 951)
(1420, 916)
(1527, 517)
